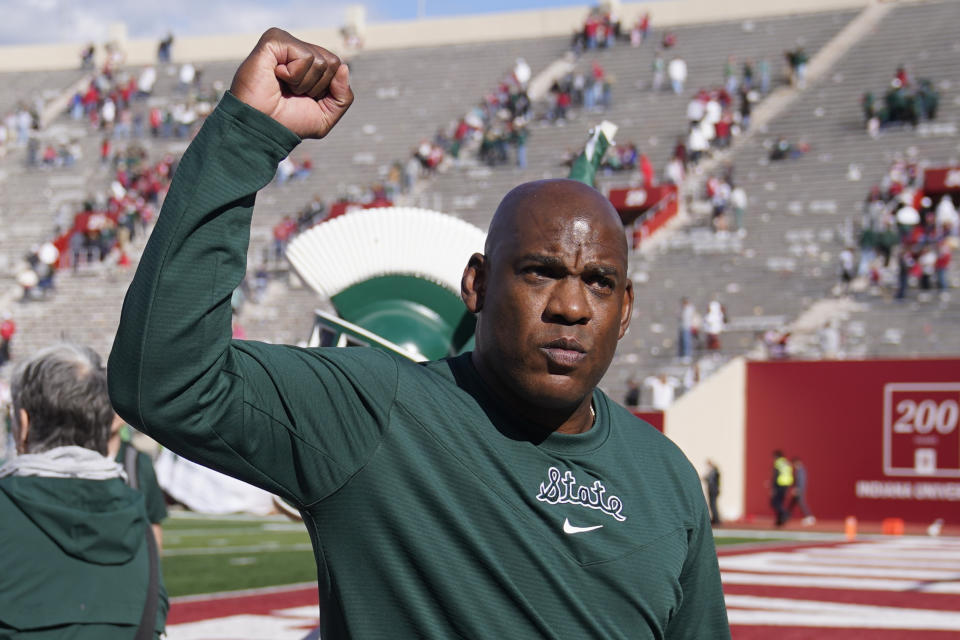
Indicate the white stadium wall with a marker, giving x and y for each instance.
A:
(426, 32)
(710, 422)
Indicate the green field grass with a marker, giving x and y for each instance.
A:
(206, 554)
(203, 554)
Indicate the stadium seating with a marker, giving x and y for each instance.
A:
(797, 220)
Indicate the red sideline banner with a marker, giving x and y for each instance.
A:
(879, 438)
(654, 418)
(646, 208)
(941, 180)
(339, 208)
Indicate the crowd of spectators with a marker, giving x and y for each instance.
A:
(713, 120)
(783, 149)
(53, 153)
(905, 237)
(294, 169)
(697, 332)
(797, 60)
(117, 102)
(906, 101)
(18, 126)
(100, 233)
(727, 200)
(591, 91)
(486, 133)
(119, 105)
(601, 29)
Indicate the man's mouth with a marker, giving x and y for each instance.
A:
(565, 353)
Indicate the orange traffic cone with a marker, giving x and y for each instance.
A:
(850, 528)
(892, 526)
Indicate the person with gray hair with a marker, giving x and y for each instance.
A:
(84, 562)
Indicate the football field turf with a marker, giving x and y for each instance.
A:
(206, 554)
(875, 588)
(203, 554)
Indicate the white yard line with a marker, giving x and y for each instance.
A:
(800, 563)
(838, 582)
(256, 548)
(757, 610)
(239, 593)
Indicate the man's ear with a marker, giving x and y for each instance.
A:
(627, 311)
(23, 428)
(473, 283)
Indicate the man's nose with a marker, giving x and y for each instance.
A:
(568, 302)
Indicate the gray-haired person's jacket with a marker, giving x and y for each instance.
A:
(74, 562)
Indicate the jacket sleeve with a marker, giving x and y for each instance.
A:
(702, 612)
(295, 422)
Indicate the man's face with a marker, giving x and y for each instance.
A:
(555, 295)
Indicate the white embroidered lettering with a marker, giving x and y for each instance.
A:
(563, 489)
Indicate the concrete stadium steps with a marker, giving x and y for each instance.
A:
(423, 89)
(84, 309)
(838, 140)
(29, 197)
(811, 196)
(27, 86)
(403, 97)
(651, 120)
(406, 82)
(285, 313)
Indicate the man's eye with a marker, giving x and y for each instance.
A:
(601, 282)
(537, 272)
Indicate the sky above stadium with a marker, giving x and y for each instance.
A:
(47, 21)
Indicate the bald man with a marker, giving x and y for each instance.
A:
(494, 494)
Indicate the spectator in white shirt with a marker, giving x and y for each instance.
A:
(677, 72)
(664, 389)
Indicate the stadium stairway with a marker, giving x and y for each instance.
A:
(801, 211)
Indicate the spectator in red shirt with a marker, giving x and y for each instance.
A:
(282, 232)
(7, 329)
(942, 264)
(646, 168)
(105, 150)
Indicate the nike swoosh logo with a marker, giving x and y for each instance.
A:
(569, 528)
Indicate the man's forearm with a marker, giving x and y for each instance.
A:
(175, 325)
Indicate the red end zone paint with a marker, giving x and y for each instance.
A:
(761, 611)
(907, 599)
(262, 602)
(819, 633)
(767, 547)
(653, 418)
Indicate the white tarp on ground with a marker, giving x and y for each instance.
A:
(207, 491)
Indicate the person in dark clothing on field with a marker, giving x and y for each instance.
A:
(780, 484)
(140, 475)
(712, 478)
(798, 493)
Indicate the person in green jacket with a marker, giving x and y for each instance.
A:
(78, 558)
(140, 475)
(497, 493)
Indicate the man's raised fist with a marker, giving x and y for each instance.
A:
(302, 86)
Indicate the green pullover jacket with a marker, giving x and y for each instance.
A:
(74, 560)
(432, 514)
